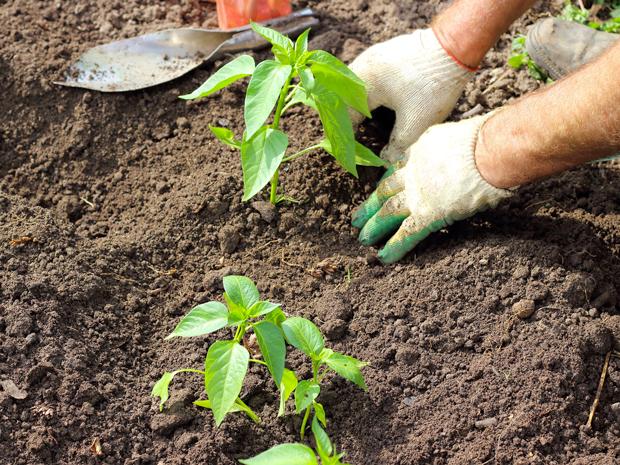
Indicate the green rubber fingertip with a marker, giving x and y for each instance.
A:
(378, 227)
(395, 250)
(366, 210)
(388, 172)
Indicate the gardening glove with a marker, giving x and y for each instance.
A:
(437, 185)
(414, 76)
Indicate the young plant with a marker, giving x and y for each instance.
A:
(227, 362)
(520, 57)
(296, 75)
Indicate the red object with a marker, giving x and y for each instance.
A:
(236, 13)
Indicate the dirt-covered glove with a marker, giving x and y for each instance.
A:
(414, 76)
(437, 185)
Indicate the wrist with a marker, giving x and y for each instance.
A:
(460, 51)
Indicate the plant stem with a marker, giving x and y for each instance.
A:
(253, 360)
(240, 331)
(189, 370)
(275, 125)
(302, 433)
(273, 197)
(301, 152)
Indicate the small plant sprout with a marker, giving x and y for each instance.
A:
(296, 76)
(520, 57)
(227, 362)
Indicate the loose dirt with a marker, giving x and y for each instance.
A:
(121, 212)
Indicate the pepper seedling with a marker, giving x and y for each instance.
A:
(296, 75)
(227, 362)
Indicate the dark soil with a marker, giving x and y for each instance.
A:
(121, 212)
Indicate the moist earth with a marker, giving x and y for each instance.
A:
(119, 212)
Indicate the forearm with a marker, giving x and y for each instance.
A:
(468, 29)
(568, 123)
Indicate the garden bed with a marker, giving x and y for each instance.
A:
(118, 213)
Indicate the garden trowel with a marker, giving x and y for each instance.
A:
(159, 57)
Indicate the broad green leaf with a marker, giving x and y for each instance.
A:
(225, 368)
(160, 388)
(287, 386)
(236, 69)
(260, 158)
(262, 94)
(337, 126)
(241, 290)
(284, 454)
(363, 155)
(202, 319)
(276, 317)
(273, 348)
(238, 406)
(347, 367)
(304, 335)
(226, 136)
(307, 390)
(262, 308)
(301, 46)
(338, 77)
(323, 444)
(319, 411)
(283, 48)
(236, 313)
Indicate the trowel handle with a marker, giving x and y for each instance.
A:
(291, 25)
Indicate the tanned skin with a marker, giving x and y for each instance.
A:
(556, 128)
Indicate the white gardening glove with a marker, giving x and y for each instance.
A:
(414, 76)
(437, 185)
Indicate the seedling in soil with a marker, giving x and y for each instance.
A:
(295, 76)
(227, 362)
(520, 58)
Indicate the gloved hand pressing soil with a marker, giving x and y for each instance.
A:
(414, 76)
(437, 184)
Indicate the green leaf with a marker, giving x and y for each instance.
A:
(273, 348)
(202, 319)
(516, 61)
(307, 390)
(226, 136)
(236, 313)
(307, 79)
(337, 125)
(160, 388)
(347, 367)
(262, 308)
(282, 49)
(363, 155)
(323, 444)
(260, 158)
(238, 406)
(284, 454)
(301, 46)
(234, 70)
(319, 411)
(332, 73)
(276, 317)
(262, 94)
(225, 368)
(241, 291)
(304, 335)
(287, 386)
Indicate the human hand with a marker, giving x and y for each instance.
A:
(437, 185)
(414, 76)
